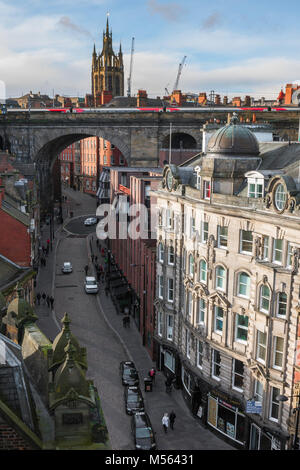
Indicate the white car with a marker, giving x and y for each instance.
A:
(90, 285)
(90, 221)
(67, 267)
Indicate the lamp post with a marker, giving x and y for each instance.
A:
(283, 398)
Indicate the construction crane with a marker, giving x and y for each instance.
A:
(130, 72)
(179, 73)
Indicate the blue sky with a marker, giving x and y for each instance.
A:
(233, 47)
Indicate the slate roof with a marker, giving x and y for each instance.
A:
(10, 271)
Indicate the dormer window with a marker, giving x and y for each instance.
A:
(206, 189)
(255, 187)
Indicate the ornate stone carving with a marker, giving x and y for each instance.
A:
(257, 247)
(295, 260)
(211, 254)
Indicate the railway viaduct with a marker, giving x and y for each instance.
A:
(39, 137)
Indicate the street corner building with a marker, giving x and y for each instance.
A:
(228, 279)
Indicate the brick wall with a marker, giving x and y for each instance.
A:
(11, 440)
(14, 240)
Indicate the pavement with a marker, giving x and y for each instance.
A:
(110, 336)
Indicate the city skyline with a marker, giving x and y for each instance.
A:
(231, 48)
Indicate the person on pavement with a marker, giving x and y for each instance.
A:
(172, 418)
(165, 422)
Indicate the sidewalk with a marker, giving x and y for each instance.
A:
(188, 433)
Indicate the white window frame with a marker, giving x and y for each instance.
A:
(203, 271)
(258, 396)
(280, 302)
(160, 286)
(187, 343)
(218, 318)
(204, 233)
(246, 241)
(273, 402)
(217, 276)
(199, 354)
(277, 352)
(248, 285)
(192, 226)
(215, 363)
(266, 247)
(234, 374)
(280, 202)
(169, 327)
(189, 306)
(161, 252)
(171, 253)
(201, 311)
(191, 265)
(222, 237)
(261, 346)
(170, 289)
(289, 255)
(169, 219)
(256, 182)
(243, 327)
(276, 250)
(160, 324)
(261, 297)
(206, 189)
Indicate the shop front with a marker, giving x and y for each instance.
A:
(225, 416)
(262, 437)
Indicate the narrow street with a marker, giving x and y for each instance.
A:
(99, 329)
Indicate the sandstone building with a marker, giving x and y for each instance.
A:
(228, 280)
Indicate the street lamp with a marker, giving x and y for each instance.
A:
(283, 398)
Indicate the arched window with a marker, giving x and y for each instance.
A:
(220, 278)
(243, 285)
(191, 265)
(264, 299)
(160, 253)
(203, 271)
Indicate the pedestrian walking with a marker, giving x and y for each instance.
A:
(96, 258)
(165, 422)
(92, 256)
(102, 252)
(124, 322)
(44, 297)
(47, 250)
(48, 301)
(97, 242)
(48, 242)
(86, 269)
(38, 296)
(172, 418)
(106, 290)
(51, 302)
(127, 321)
(44, 262)
(152, 373)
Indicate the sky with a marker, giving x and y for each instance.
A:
(234, 47)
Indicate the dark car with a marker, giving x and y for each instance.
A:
(142, 431)
(129, 373)
(133, 400)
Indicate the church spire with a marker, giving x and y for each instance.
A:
(107, 25)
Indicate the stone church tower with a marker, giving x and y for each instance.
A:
(107, 71)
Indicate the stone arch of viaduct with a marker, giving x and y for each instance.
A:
(139, 140)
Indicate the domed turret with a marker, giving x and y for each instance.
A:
(233, 139)
(60, 343)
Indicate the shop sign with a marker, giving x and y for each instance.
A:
(253, 407)
(124, 189)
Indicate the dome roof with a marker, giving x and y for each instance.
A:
(233, 139)
(21, 310)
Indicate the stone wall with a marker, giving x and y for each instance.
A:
(34, 350)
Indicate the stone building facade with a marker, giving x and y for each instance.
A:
(228, 280)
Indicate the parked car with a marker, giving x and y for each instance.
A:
(91, 221)
(142, 431)
(67, 267)
(91, 285)
(129, 373)
(133, 400)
